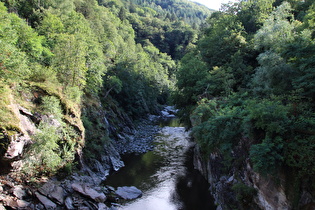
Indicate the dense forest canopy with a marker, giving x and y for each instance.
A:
(245, 76)
(73, 56)
(250, 81)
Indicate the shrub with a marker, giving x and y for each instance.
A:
(51, 106)
(216, 128)
(244, 193)
(44, 153)
(267, 156)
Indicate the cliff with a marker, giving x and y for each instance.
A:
(240, 187)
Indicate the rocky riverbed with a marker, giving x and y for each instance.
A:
(82, 189)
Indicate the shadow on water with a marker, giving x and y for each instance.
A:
(137, 171)
(165, 175)
(192, 189)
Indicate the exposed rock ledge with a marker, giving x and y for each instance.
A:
(270, 195)
(67, 194)
(82, 190)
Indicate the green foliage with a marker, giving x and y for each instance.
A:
(222, 40)
(8, 120)
(216, 128)
(273, 76)
(98, 139)
(267, 157)
(299, 154)
(44, 154)
(254, 13)
(4, 142)
(269, 115)
(13, 63)
(278, 30)
(51, 106)
(309, 19)
(244, 193)
(250, 84)
(70, 61)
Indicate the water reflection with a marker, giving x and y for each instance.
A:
(170, 122)
(165, 175)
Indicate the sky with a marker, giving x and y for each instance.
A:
(212, 4)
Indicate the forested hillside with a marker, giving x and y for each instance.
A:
(75, 76)
(247, 89)
(62, 62)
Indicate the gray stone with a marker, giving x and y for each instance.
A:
(89, 192)
(15, 147)
(46, 201)
(25, 111)
(53, 191)
(230, 180)
(39, 206)
(18, 192)
(102, 206)
(128, 193)
(83, 208)
(69, 203)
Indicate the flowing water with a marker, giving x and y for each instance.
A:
(165, 175)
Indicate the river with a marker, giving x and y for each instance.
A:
(165, 175)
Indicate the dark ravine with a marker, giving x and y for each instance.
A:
(166, 174)
(82, 189)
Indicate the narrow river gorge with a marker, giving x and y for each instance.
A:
(165, 175)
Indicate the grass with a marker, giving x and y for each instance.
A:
(9, 121)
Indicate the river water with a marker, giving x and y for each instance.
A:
(165, 175)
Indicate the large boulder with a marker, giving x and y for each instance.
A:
(128, 193)
(53, 191)
(89, 192)
(46, 201)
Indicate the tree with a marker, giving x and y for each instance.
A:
(69, 61)
(273, 76)
(222, 39)
(277, 31)
(253, 13)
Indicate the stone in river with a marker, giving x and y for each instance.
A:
(128, 193)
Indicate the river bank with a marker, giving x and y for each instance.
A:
(83, 188)
(166, 174)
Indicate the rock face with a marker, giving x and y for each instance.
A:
(27, 127)
(128, 193)
(270, 194)
(80, 190)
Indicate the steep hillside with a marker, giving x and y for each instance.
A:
(247, 90)
(74, 76)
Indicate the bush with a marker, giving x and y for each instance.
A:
(44, 153)
(268, 115)
(300, 155)
(42, 74)
(51, 106)
(244, 193)
(267, 156)
(217, 129)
